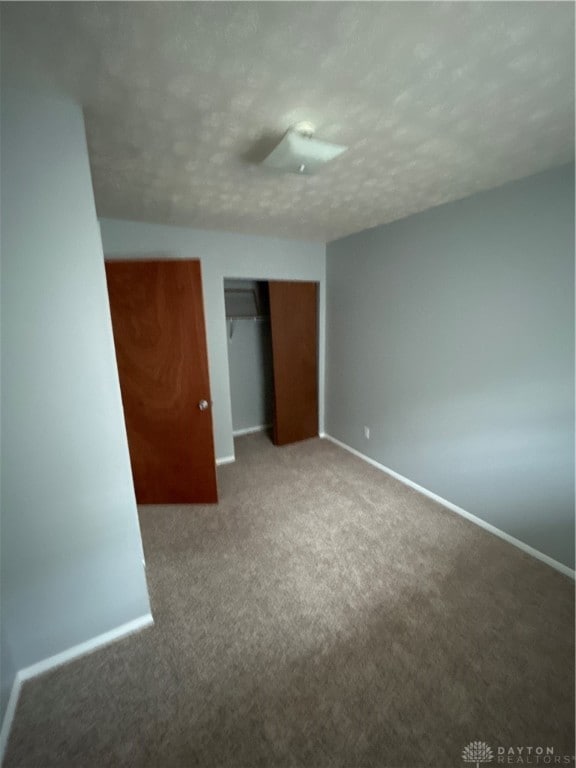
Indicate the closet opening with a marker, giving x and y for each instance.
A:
(272, 332)
(249, 355)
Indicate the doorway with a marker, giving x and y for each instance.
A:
(272, 337)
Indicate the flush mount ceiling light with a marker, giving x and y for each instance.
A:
(299, 152)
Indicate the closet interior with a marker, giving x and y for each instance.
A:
(249, 355)
(273, 357)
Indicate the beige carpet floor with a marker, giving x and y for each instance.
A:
(323, 615)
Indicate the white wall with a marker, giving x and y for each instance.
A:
(71, 548)
(451, 335)
(223, 255)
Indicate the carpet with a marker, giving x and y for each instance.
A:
(322, 615)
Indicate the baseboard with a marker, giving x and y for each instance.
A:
(62, 658)
(250, 430)
(225, 460)
(458, 510)
(83, 648)
(9, 715)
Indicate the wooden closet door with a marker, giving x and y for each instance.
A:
(294, 325)
(160, 339)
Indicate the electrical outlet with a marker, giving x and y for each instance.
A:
(367, 433)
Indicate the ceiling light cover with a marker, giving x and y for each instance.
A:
(302, 154)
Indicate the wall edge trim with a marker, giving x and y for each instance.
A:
(225, 460)
(564, 569)
(75, 652)
(9, 715)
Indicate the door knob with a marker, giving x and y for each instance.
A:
(203, 405)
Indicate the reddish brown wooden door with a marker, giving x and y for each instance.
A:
(294, 325)
(160, 339)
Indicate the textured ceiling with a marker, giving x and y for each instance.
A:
(435, 100)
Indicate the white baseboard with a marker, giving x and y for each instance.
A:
(250, 430)
(62, 658)
(459, 511)
(83, 648)
(9, 715)
(225, 460)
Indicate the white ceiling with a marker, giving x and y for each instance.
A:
(435, 100)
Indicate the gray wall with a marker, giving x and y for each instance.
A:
(71, 548)
(250, 364)
(223, 255)
(451, 335)
(250, 361)
(7, 672)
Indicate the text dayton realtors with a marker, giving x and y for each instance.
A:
(531, 756)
